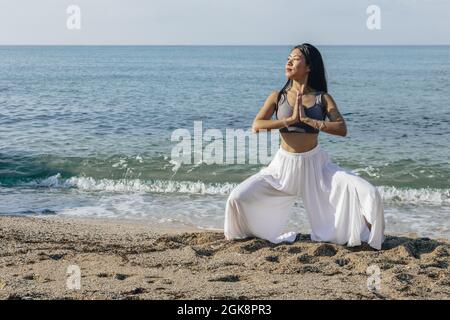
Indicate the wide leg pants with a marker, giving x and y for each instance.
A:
(338, 202)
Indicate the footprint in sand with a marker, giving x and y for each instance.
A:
(325, 250)
(117, 276)
(203, 252)
(272, 259)
(29, 276)
(102, 275)
(228, 278)
(294, 250)
(120, 276)
(136, 291)
(404, 278)
(306, 258)
(342, 262)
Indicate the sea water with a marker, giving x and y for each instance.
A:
(87, 131)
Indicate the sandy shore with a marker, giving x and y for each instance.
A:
(124, 260)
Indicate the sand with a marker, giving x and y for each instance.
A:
(126, 260)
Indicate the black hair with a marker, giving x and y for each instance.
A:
(316, 79)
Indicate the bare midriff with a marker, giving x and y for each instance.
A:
(298, 141)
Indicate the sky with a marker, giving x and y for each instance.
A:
(223, 22)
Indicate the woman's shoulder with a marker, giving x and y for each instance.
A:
(274, 93)
(273, 96)
(327, 99)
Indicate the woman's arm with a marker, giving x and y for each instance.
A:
(263, 118)
(336, 125)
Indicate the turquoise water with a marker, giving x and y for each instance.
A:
(86, 131)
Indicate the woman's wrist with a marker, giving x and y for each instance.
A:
(290, 120)
(308, 121)
(317, 124)
(322, 125)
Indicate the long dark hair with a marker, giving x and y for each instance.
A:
(316, 79)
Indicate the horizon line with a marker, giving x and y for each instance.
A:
(220, 45)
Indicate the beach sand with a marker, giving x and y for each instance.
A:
(129, 260)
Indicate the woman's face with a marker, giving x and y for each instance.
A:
(296, 67)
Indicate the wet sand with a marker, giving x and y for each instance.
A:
(126, 260)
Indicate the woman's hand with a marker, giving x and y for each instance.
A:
(295, 117)
(298, 113)
(301, 108)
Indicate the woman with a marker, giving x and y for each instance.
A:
(342, 207)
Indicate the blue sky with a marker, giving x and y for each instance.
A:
(224, 22)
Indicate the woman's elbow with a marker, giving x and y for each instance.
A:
(341, 130)
(255, 126)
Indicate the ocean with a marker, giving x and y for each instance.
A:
(86, 131)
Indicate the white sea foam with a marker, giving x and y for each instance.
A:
(371, 171)
(134, 185)
(419, 196)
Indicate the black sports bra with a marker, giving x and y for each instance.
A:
(317, 111)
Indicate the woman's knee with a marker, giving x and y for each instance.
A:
(236, 195)
(371, 192)
(242, 191)
(369, 188)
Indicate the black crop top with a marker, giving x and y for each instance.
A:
(317, 111)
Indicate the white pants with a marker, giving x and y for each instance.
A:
(338, 202)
